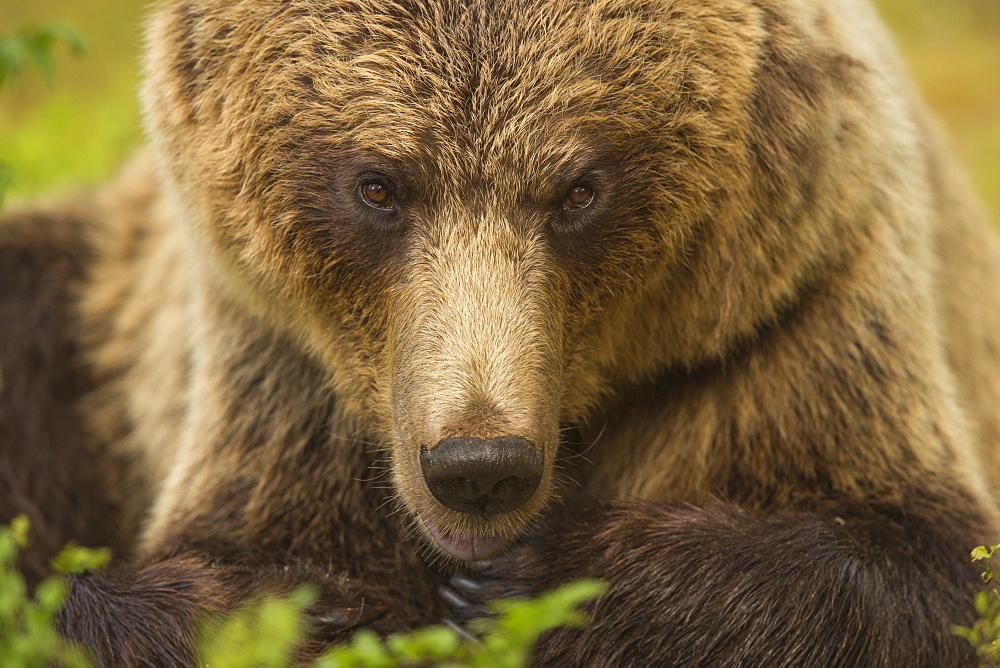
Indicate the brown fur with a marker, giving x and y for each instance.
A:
(775, 328)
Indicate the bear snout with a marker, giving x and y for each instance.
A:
(483, 476)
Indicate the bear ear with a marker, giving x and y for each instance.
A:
(171, 65)
(795, 90)
(185, 40)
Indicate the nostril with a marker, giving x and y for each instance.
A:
(483, 475)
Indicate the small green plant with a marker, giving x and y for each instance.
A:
(261, 635)
(28, 635)
(265, 635)
(34, 46)
(985, 633)
(504, 640)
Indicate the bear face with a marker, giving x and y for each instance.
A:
(483, 220)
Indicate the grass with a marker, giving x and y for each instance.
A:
(80, 129)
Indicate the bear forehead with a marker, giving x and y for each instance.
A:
(549, 80)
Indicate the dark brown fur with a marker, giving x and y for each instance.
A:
(867, 573)
(775, 330)
(44, 470)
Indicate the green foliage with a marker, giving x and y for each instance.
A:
(506, 639)
(35, 46)
(265, 634)
(32, 46)
(262, 635)
(28, 636)
(35, 146)
(985, 633)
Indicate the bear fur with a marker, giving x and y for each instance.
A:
(761, 364)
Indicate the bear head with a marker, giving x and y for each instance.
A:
(482, 218)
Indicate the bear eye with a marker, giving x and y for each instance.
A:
(378, 194)
(578, 197)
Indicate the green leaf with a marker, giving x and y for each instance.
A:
(370, 650)
(19, 529)
(67, 34)
(50, 594)
(433, 642)
(981, 553)
(36, 46)
(76, 559)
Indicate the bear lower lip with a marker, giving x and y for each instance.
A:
(467, 546)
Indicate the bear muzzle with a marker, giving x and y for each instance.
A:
(482, 478)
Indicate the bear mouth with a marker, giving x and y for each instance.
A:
(467, 546)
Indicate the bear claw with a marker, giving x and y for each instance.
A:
(466, 584)
(349, 618)
(455, 599)
(461, 630)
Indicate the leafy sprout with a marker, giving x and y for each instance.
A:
(984, 634)
(28, 635)
(35, 46)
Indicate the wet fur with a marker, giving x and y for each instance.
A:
(775, 335)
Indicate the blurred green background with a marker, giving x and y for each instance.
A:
(80, 128)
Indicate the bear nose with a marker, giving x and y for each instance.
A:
(482, 475)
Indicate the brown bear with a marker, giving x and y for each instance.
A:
(681, 294)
